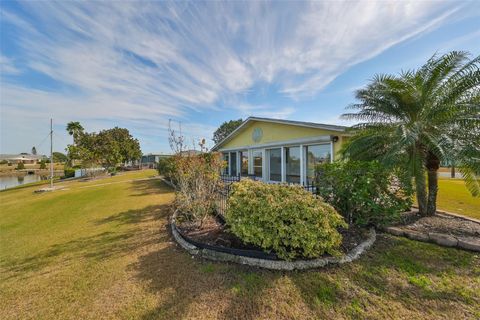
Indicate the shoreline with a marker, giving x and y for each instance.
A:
(24, 172)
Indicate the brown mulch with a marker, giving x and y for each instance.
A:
(441, 223)
(214, 232)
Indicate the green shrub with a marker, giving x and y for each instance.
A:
(166, 167)
(4, 162)
(68, 173)
(20, 166)
(365, 193)
(43, 165)
(287, 219)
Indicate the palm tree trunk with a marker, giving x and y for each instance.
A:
(432, 192)
(452, 173)
(433, 163)
(421, 190)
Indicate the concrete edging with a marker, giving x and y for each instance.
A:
(167, 182)
(354, 254)
(441, 239)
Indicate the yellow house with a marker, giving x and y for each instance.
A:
(280, 150)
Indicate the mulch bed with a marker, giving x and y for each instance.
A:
(214, 232)
(440, 223)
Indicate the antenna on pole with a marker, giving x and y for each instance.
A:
(51, 153)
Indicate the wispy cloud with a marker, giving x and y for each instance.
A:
(150, 61)
(7, 66)
(267, 111)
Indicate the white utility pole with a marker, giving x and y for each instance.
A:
(51, 153)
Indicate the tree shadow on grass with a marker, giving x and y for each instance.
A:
(99, 246)
(149, 187)
(132, 217)
(193, 287)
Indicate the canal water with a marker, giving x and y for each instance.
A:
(13, 181)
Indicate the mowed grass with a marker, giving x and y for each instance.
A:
(453, 196)
(102, 250)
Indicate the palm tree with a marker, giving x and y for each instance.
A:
(413, 119)
(74, 129)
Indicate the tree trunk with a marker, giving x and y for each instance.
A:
(421, 190)
(433, 163)
(452, 173)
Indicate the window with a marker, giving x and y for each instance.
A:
(225, 158)
(244, 163)
(292, 164)
(233, 163)
(275, 161)
(316, 154)
(257, 164)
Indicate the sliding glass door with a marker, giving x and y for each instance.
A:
(226, 159)
(244, 163)
(292, 164)
(316, 154)
(233, 163)
(275, 164)
(257, 163)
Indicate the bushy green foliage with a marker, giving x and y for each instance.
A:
(166, 167)
(365, 193)
(68, 173)
(43, 165)
(287, 219)
(20, 166)
(108, 148)
(59, 157)
(225, 129)
(4, 162)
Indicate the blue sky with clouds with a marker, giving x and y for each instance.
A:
(139, 64)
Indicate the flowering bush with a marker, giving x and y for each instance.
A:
(365, 193)
(197, 182)
(287, 219)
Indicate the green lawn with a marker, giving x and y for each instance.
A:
(102, 250)
(453, 196)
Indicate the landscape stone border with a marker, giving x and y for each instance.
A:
(441, 239)
(167, 182)
(210, 254)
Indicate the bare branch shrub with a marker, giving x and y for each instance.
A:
(196, 177)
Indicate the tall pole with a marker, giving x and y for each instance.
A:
(51, 153)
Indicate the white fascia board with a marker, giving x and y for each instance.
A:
(310, 140)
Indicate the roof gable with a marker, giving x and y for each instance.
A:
(252, 120)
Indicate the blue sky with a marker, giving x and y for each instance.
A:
(139, 64)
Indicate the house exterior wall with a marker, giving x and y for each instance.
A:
(280, 152)
(274, 132)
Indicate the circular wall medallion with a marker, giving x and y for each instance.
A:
(257, 134)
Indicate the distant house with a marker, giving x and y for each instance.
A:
(25, 158)
(150, 160)
(275, 150)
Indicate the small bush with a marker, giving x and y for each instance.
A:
(69, 173)
(43, 165)
(20, 166)
(4, 162)
(287, 219)
(365, 193)
(166, 167)
(197, 182)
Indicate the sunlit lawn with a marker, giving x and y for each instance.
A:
(453, 196)
(104, 251)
